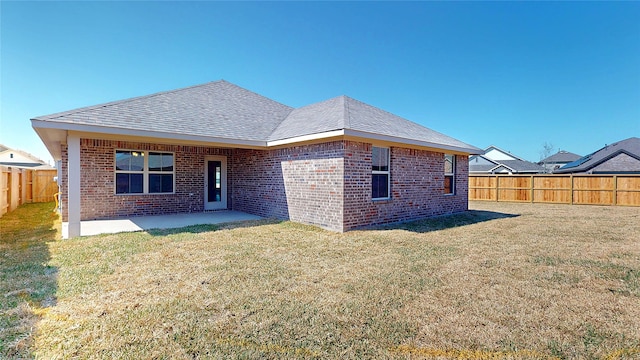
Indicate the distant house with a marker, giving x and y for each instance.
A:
(497, 161)
(622, 157)
(339, 164)
(21, 159)
(558, 160)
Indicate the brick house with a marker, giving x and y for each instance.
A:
(339, 164)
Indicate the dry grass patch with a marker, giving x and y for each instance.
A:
(27, 280)
(515, 281)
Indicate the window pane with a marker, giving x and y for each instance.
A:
(167, 162)
(160, 183)
(160, 161)
(380, 186)
(137, 161)
(123, 160)
(128, 183)
(122, 183)
(155, 161)
(167, 183)
(380, 159)
(214, 186)
(448, 184)
(448, 164)
(135, 181)
(155, 182)
(129, 160)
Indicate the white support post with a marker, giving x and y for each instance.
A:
(73, 182)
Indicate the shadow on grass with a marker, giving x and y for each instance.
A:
(202, 228)
(468, 217)
(28, 285)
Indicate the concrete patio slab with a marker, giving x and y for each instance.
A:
(139, 223)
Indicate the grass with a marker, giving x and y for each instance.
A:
(27, 279)
(513, 281)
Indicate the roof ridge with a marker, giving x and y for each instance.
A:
(347, 111)
(504, 151)
(124, 101)
(400, 117)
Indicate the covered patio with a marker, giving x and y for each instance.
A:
(141, 223)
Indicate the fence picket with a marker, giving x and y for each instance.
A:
(601, 189)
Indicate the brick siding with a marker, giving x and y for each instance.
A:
(417, 187)
(326, 184)
(97, 185)
(301, 183)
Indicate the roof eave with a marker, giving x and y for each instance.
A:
(414, 142)
(54, 133)
(363, 135)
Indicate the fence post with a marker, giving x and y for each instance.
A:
(571, 187)
(497, 187)
(615, 190)
(532, 189)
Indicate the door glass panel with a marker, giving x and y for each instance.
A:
(214, 186)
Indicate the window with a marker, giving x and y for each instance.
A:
(449, 173)
(143, 172)
(380, 173)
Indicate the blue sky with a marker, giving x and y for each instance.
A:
(510, 74)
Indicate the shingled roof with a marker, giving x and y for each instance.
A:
(222, 113)
(216, 109)
(630, 147)
(561, 156)
(494, 166)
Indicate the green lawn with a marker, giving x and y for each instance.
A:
(513, 281)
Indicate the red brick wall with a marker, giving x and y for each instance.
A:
(417, 186)
(98, 198)
(326, 184)
(301, 183)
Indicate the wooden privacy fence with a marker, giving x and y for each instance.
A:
(19, 186)
(562, 189)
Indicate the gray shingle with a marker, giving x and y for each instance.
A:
(312, 119)
(223, 110)
(522, 166)
(630, 146)
(216, 109)
(346, 113)
(367, 118)
(561, 157)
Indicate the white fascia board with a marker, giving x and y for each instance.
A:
(400, 140)
(311, 137)
(39, 124)
(52, 140)
(501, 165)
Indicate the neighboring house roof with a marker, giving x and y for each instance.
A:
(522, 166)
(225, 114)
(630, 147)
(26, 165)
(560, 157)
(20, 159)
(485, 164)
(481, 164)
(495, 153)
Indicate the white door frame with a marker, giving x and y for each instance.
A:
(222, 204)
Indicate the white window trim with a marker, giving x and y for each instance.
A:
(145, 173)
(452, 174)
(378, 172)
